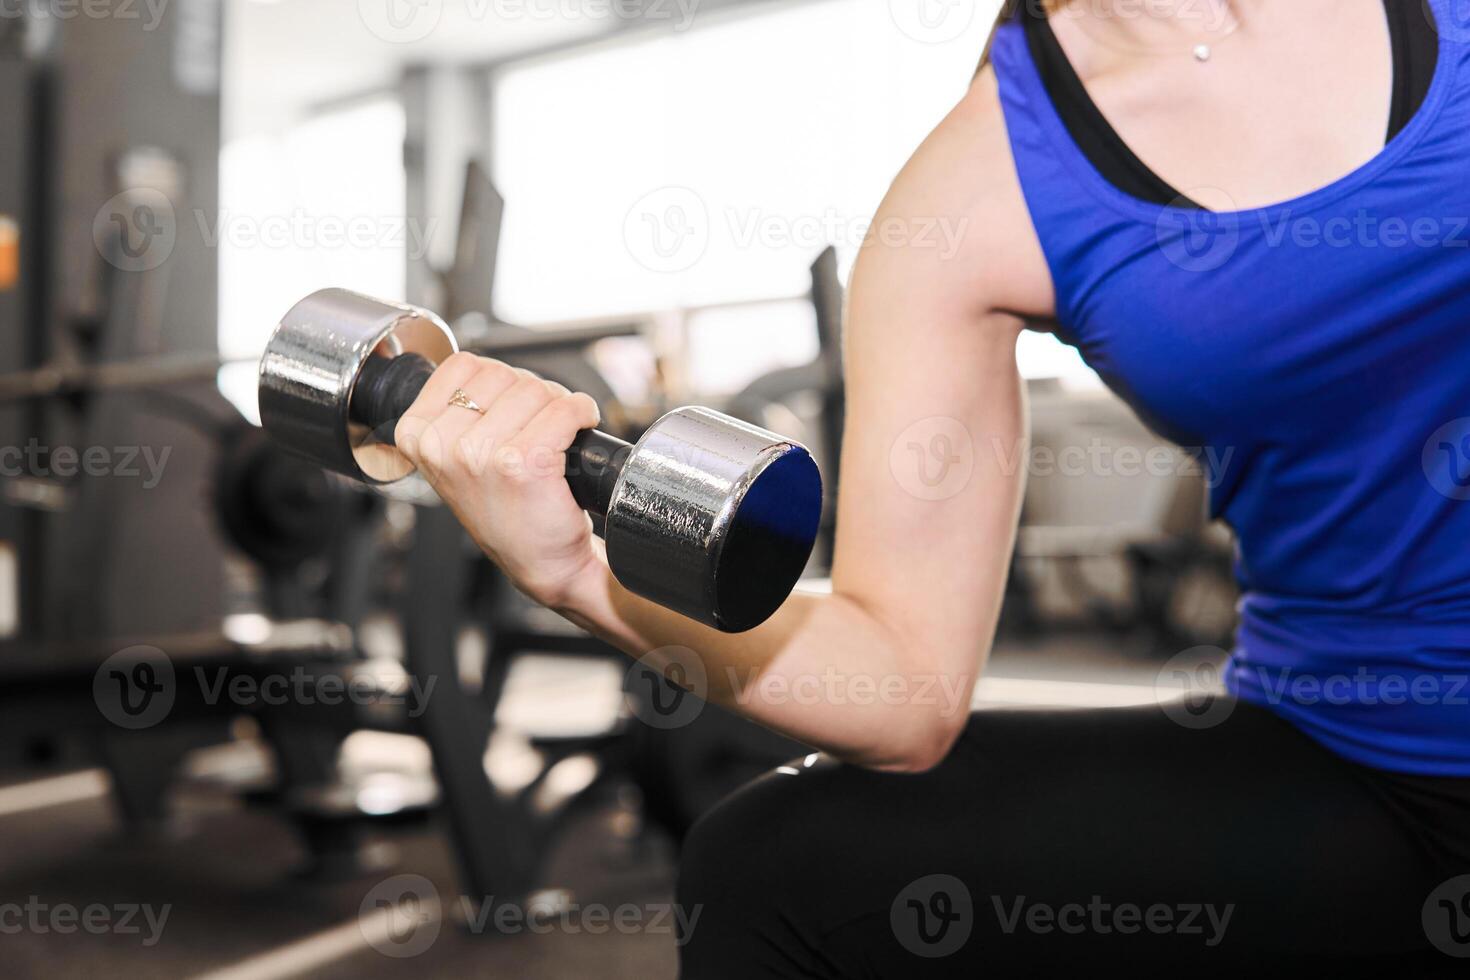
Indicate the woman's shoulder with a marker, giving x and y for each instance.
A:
(962, 181)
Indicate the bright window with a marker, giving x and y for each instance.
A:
(713, 165)
(321, 204)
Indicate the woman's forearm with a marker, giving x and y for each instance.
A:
(822, 670)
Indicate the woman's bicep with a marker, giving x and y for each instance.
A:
(932, 473)
(935, 442)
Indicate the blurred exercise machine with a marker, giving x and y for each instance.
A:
(820, 381)
(86, 106)
(1131, 554)
(681, 770)
(107, 339)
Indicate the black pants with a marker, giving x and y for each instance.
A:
(1116, 842)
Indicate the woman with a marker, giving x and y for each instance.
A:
(1201, 196)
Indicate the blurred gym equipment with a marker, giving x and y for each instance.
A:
(680, 772)
(468, 290)
(821, 380)
(1134, 555)
(102, 349)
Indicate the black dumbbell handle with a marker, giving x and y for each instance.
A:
(387, 388)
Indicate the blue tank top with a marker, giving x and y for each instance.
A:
(1317, 352)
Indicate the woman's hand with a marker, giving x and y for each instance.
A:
(503, 472)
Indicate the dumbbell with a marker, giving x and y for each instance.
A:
(705, 515)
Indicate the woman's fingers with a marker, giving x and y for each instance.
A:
(454, 373)
(421, 433)
(526, 425)
(491, 441)
(497, 391)
(542, 444)
(515, 407)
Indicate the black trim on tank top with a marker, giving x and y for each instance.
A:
(1415, 45)
(1415, 41)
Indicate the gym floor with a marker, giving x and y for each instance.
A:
(227, 877)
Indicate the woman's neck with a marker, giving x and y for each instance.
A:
(1153, 26)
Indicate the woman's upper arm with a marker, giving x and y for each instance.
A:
(934, 447)
(931, 475)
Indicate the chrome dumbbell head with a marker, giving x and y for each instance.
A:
(714, 518)
(312, 364)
